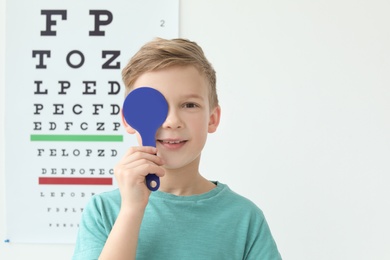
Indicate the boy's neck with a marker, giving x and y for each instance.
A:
(185, 183)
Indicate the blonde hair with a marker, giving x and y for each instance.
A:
(161, 53)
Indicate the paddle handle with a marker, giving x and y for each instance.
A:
(152, 180)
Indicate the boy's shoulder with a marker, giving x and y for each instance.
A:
(106, 200)
(108, 195)
(237, 201)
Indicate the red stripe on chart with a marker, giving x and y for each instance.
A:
(74, 181)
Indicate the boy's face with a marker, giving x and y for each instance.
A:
(182, 136)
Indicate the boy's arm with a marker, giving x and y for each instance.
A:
(130, 174)
(123, 238)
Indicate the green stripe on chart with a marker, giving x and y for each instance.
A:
(76, 138)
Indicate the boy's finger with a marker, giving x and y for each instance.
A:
(145, 149)
(142, 157)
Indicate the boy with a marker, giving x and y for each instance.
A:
(189, 217)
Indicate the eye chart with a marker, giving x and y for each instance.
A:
(64, 93)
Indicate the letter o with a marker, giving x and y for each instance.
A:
(75, 66)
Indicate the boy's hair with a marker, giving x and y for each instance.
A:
(162, 53)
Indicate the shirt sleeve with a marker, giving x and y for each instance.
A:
(92, 233)
(261, 244)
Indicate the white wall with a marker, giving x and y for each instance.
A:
(305, 92)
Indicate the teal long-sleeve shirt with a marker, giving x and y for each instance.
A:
(219, 224)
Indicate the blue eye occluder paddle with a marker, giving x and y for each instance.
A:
(145, 109)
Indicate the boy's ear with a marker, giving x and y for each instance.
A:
(128, 128)
(215, 117)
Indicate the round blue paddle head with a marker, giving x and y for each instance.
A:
(145, 109)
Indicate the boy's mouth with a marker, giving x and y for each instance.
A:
(172, 143)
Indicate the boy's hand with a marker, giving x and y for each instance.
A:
(130, 173)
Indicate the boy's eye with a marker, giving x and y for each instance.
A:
(190, 105)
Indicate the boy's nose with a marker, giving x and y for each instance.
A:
(173, 120)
